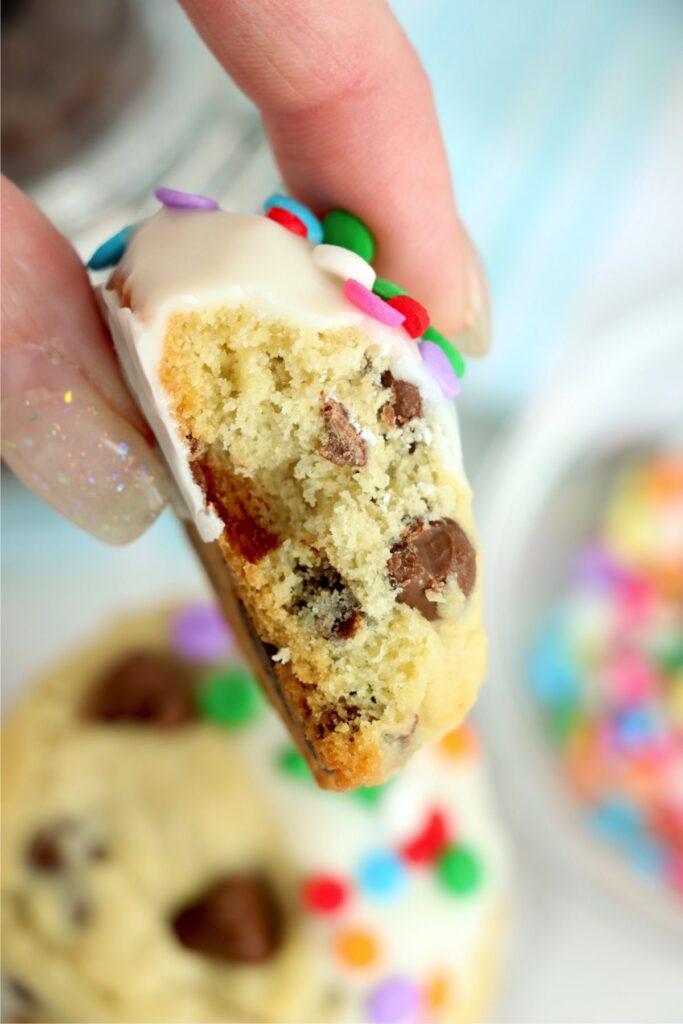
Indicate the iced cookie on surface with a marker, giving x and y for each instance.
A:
(167, 856)
(305, 409)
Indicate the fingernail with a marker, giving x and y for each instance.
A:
(474, 337)
(62, 439)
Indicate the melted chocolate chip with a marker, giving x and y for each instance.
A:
(331, 717)
(237, 920)
(424, 559)
(406, 403)
(323, 593)
(244, 513)
(343, 444)
(146, 686)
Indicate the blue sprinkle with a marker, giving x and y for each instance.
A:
(313, 225)
(646, 857)
(553, 674)
(111, 251)
(382, 876)
(617, 820)
(635, 729)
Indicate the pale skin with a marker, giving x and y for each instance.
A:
(349, 113)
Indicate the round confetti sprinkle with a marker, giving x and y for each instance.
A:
(313, 226)
(371, 304)
(382, 876)
(460, 743)
(229, 696)
(369, 795)
(440, 368)
(291, 762)
(287, 220)
(110, 252)
(344, 263)
(199, 633)
(356, 947)
(323, 894)
(176, 200)
(342, 228)
(386, 289)
(416, 316)
(438, 991)
(459, 870)
(426, 846)
(394, 1001)
(448, 349)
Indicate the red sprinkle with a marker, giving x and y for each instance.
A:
(323, 894)
(416, 316)
(429, 843)
(288, 220)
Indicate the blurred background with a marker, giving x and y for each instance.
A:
(564, 126)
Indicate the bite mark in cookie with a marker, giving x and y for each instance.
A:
(145, 686)
(343, 443)
(425, 557)
(237, 920)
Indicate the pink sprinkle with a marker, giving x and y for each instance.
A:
(441, 369)
(371, 304)
(634, 602)
(176, 200)
(631, 678)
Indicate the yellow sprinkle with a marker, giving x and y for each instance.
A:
(68, 397)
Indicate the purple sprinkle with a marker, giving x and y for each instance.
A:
(176, 200)
(199, 633)
(395, 1001)
(441, 369)
(595, 568)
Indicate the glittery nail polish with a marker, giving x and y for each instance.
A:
(63, 440)
(474, 336)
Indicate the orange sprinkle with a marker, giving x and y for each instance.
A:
(460, 742)
(665, 478)
(356, 947)
(437, 991)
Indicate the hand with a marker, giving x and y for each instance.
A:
(349, 112)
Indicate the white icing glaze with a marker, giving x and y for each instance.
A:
(182, 260)
(423, 930)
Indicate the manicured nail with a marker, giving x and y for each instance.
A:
(62, 439)
(474, 337)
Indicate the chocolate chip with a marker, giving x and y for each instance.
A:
(244, 513)
(406, 403)
(331, 717)
(237, 920)
(343, 444)
(327, 599)
(146, 686)
(424, 559)
(61, 844)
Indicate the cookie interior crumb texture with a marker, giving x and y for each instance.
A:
(322, 469)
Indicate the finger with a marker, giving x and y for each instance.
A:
(70, 429)
(350, 115)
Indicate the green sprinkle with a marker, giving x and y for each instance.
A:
(448, 348)
(670, 659)
(459, 870)
(561, 722)
(369, 795)
(229, 696)
(342, 228)
(386, 289)
(291, 762)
